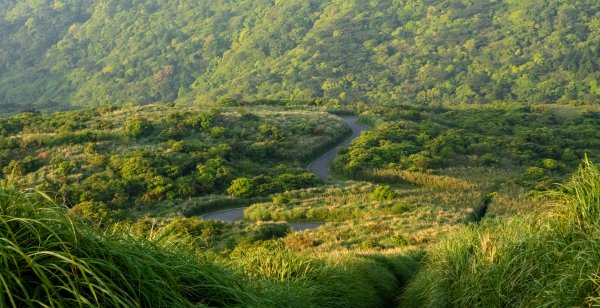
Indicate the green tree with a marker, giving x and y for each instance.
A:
(242, 188)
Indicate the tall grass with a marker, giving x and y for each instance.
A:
(549, 258)
(50, 259)
(342, 279)
(393, 176)
(582, 194)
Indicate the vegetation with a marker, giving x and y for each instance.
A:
(51, 258)
(177, 109)
(545, 258)
(137, 177)
(96, 161)
(541, 141)
(92, 52)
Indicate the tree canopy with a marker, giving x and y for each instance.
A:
(91, 52)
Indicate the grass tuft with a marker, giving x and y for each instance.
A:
(48, 258)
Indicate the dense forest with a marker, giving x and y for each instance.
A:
(59, 53)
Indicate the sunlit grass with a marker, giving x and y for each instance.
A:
(50, 259)
(548, 258)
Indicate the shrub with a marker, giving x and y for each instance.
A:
(138, 128)
(241, 188)
(382, 193)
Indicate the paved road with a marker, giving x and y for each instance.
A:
(226, 215)
(320, 167)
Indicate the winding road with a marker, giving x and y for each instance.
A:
(320, 167)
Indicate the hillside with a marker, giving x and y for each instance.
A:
(299, 153)
(90, 52)
(133, 181)
(52, 258)
(548, 257)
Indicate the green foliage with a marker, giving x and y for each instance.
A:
(92, 210)
(52, 259)
(241, 188)
(549, 258)
(137, 128)
(269, 231)
(581, 196)
(382, 193)
(545, 140)
(125, 159)
(89, 52)
(340, 280)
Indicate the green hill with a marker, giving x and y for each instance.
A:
(458, 194)
(90, 52)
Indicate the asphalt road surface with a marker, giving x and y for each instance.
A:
(226, 215)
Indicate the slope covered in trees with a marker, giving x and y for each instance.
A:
(88, 52)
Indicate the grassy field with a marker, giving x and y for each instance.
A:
(51, 258)
(546, 258)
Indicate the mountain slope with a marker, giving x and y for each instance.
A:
(90, 52)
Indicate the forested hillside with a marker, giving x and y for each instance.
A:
(58, 53)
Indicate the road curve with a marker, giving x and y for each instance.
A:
(226, 215)
(320, 167)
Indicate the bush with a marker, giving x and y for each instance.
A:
(138, 128)
(382, 193)
(241, 188)
(269, 231)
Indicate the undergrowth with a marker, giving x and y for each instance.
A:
(549, 258)
(51, 258)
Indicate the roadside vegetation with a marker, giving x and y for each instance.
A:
(53, 258)
(107, 162)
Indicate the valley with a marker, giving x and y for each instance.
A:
(299, 153)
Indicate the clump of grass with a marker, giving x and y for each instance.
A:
(582, 195)
(48, 258)
(343, 279)
(549, 258)
(394, 176)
